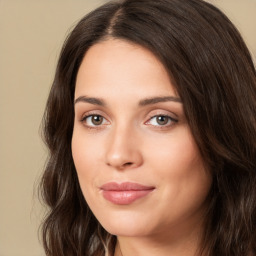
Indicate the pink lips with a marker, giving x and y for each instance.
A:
(124, 193)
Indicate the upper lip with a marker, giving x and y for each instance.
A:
(125, 186)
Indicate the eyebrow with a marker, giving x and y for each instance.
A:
(154, 100)
(91, 100)
(144, 102)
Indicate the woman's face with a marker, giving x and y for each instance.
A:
(138, 165)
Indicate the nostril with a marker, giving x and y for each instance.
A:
(125, 165)
(128, 164)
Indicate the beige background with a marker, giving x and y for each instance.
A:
(31, 34)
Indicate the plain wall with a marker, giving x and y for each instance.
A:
(31, 34)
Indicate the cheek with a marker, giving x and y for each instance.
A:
(177, 151)
(85, 150)
(80, 154)
(84, 155)
(83, 160)
(180, 169)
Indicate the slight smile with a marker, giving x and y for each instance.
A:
(124, 193)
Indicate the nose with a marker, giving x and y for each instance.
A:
(123, 149)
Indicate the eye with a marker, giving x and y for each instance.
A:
(94, 120)
(161, 120)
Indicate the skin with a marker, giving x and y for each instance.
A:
(130, 144)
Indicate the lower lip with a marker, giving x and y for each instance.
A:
(124, 197)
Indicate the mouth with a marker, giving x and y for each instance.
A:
(124, 193)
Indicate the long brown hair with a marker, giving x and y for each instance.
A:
(213, 72)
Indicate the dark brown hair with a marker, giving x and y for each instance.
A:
(214, 75)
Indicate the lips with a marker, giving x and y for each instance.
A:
(124, 193)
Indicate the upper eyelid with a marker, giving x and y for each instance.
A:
(166, 115)
(84, 117)
(171, 118)
(161, 112)
(107, 116)
(93, 112)
(87, 116)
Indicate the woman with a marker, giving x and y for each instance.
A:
(150, 124)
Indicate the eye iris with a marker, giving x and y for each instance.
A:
(162, 120)
(97, 120)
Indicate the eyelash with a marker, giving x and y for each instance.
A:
(171, 121)
(84, 119)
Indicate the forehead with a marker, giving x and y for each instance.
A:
(115, 66)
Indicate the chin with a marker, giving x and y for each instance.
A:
(124, 225)
(126, 231)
